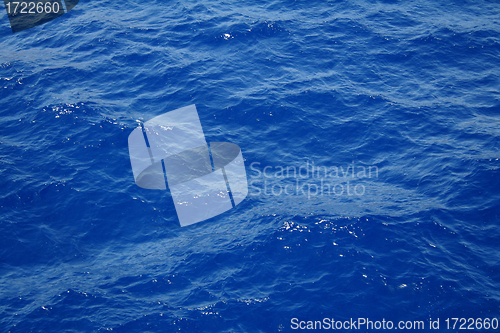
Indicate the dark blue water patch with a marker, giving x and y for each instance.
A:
(408, 88)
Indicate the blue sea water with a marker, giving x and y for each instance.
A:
(407, 91)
